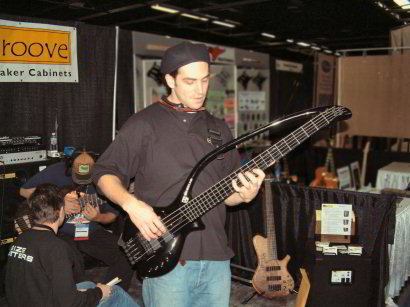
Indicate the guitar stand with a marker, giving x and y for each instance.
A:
(246, 301)
(248, 281)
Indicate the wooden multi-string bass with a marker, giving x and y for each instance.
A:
(271, 278)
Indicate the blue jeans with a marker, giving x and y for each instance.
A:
(118, 296)
(195, 284)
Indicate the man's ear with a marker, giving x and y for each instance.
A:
(62, 214)
(170, 80)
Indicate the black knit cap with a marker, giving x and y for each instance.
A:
(183, 54)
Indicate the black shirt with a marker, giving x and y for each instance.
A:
(39, 273)
(159, 146)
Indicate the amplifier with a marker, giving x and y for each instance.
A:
(23, 157)
(20, 148)
(339, 280)
(6, 141)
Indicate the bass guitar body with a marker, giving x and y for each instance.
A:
(160, 255)
(271, 278)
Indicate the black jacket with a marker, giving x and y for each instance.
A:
(39, 273)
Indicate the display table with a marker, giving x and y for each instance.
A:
(395, 175)
(399, 252)
(338, 280)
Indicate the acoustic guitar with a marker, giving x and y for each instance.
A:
(157, 257)
(325, 176)
(271, 278)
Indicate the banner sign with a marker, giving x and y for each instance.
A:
(289, 66)
(223, 55)
(32, 52)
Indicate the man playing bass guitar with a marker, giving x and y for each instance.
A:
(158, 147)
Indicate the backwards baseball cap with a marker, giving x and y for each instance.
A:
(183, 54)
(82, 168)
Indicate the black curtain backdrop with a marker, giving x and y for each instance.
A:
(243, 222)
(84, 109)
(125, 79)
(294, 211)
(290, 92)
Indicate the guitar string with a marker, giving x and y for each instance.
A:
(322, 122)
(87, 198)
(321, 116)
(233, 176)
(157, 244)
(22, 222)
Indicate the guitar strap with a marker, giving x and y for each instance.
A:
(214, 134)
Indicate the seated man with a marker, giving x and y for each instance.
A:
(39, 267)
(82, 229)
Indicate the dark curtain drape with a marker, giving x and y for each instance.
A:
(84, 109)
(125, 78)
(290, 92)
(294, 210)
(243, 222)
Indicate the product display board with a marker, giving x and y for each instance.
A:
(221, 94)
(253, 99)
(151, 88)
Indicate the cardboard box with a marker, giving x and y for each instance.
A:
(333, 238)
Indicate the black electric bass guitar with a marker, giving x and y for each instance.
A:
(157, 257)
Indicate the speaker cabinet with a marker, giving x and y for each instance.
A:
(338, 281)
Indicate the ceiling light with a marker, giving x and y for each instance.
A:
(210, 16)
(268, 35)
(194, 17)
(233, 22)
(289, 40)
(404, 4)
(224, 24)
(164, 9)
(303, 44)
(315, 48)
(328, 51)
(275, 43)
